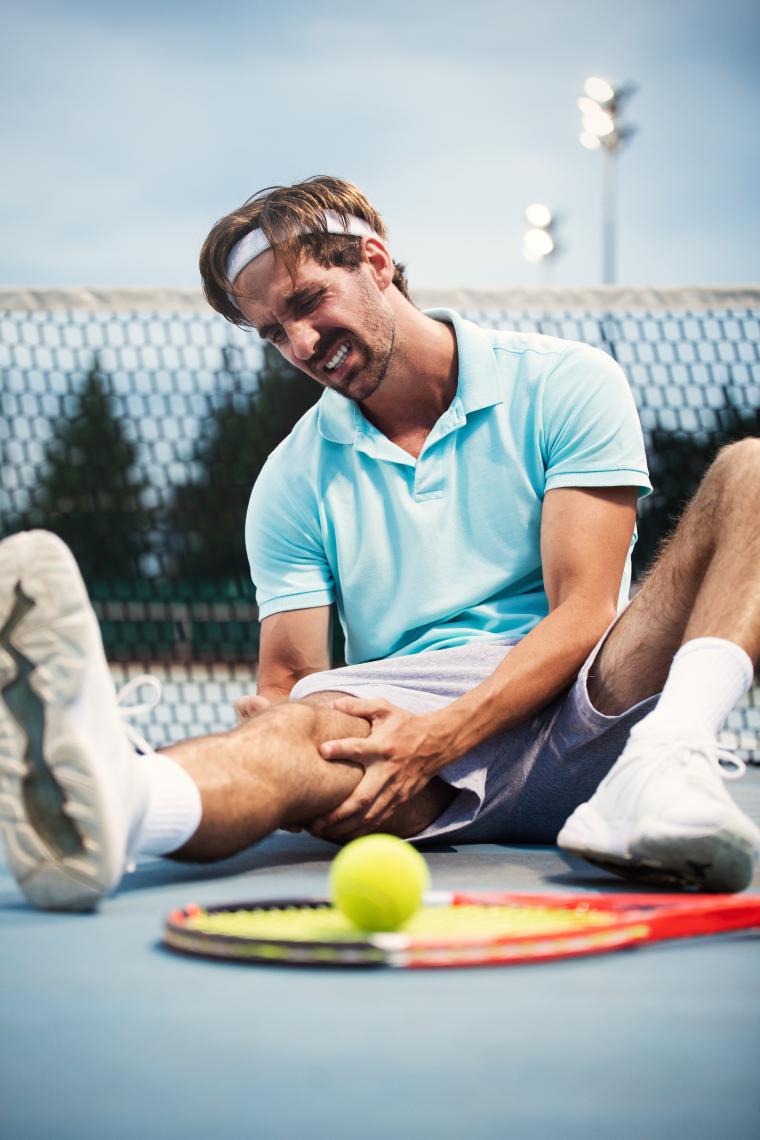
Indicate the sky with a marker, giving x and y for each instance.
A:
(127, 129)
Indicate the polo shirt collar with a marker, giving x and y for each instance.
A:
(339, 419)
(478, 383)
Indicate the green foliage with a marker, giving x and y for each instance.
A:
(88, 493)
(677, 463)
(208, 511)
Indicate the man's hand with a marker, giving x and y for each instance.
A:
(400, 756)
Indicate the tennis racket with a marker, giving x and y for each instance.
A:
(454, 929)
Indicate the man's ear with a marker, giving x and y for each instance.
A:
(377, 256)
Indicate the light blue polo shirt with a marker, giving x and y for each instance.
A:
(443, 550)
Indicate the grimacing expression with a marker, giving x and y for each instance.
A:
(333, 324)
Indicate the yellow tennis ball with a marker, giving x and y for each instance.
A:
(378, 881)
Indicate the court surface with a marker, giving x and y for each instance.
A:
(105, 1034)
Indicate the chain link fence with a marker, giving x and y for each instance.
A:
(134, 423)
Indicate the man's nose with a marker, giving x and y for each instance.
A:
(303, 339)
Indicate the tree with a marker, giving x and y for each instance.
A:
(89, 493)
(208, 511)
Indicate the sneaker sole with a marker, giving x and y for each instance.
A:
(714, 861)
(52, 816)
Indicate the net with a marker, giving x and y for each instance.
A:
(134, 423)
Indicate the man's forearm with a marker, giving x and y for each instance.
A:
(539, 667)
(280, 689)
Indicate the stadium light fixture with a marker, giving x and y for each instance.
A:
(539, 241)
(599, 89)
(538, 215)
(601, 129)
(600, 124)
(591, 142)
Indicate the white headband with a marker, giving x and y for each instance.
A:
(255, 242)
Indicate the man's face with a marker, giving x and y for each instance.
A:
(334, 324)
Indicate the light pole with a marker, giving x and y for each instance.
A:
(540, 240)
(600, 107)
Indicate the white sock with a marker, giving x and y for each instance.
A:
(173, 810)
(707, 679)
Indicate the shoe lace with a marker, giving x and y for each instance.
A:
(719, 759)
(131, 710)
(720, 756)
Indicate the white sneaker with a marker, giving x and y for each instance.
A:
(72, 792)
(662, 814)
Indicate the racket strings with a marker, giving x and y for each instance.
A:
(467, 922)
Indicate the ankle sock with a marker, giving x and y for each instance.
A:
(173, 810)
(707, 678)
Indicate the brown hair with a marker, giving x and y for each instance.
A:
(283, 212)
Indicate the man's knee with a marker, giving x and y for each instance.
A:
(286, 718)
(321, 698)
(738, 462)
(732, 479)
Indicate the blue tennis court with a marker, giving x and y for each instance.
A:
(105, 1033)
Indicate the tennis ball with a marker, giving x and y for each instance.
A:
(378, 881)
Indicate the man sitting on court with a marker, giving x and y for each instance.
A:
(467, 497)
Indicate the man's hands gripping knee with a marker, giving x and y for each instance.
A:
(400, 757)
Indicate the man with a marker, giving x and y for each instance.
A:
(468, 499)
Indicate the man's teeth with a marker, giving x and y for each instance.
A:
(338, 358)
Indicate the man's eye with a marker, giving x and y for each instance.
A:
(275, 336)
(310, 303)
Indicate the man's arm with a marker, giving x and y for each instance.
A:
(292, 645)
(585, 537)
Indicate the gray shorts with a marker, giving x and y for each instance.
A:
(518, 786)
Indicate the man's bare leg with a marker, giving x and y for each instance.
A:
(693, 632)
(705, 583)
(268, 773)
(77, 801)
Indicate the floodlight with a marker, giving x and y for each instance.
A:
(538, 216)
(599, 89)
(539, 241)
(587, 106)
(599, 124)
(531, 255)
(601, 129)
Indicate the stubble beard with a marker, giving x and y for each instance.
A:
(371, 375)
(376, 349)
